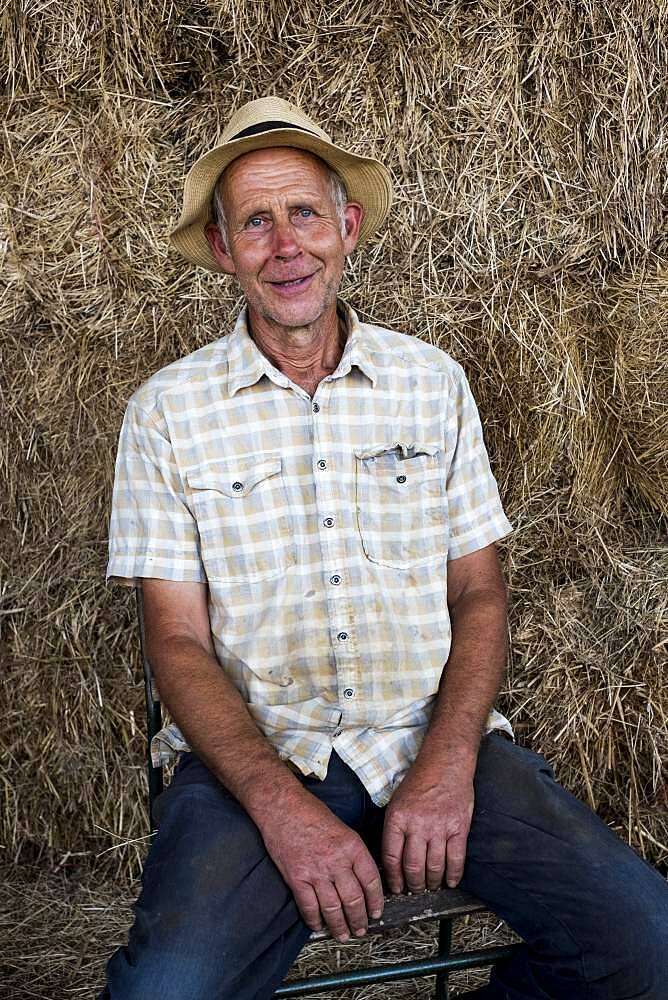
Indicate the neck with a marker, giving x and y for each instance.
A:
(306, 353)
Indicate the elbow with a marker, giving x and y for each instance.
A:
(489, 602)
(174, 647)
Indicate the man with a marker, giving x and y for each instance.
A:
(308, 505)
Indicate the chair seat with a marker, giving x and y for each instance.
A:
(409, 908)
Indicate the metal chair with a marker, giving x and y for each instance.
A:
(443, 905)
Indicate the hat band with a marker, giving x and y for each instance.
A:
(267, 127)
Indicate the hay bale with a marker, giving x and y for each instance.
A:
(528, 239)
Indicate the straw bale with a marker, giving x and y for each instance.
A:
(528, 238)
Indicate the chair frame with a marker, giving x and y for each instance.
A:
(444, 904)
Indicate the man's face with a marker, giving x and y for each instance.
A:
(284, 240)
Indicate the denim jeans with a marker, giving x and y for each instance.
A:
(215, 921)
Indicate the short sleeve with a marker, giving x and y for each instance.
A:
(476, 517)
(151, 533)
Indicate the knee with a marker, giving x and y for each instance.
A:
(174, 951)
(632, 937)
(649, 969)
(158, 975)
(641, 969)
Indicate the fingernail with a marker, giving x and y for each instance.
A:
(360, 932)
(376, 914)
(343, 938)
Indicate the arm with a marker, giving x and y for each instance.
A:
(428, 819)
(324, 862)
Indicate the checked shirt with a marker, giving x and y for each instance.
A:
(323, 527)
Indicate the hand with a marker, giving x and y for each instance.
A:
(328, 868)
(425, 832)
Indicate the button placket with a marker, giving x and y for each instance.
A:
(332, 544)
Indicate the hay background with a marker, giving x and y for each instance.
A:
(529, 239)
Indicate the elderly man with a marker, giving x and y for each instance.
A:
(309, 507)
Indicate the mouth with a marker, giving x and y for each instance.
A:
(292, 286)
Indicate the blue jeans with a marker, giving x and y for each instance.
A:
(215, 921)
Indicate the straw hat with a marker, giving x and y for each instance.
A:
(259, 125)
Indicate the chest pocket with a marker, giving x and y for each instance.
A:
(243, 517)
(402, 505)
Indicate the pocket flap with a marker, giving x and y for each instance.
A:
(234, 477)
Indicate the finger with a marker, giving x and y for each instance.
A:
(369, 878)
(456, 858)
(353, 901)
(435, 866)
(329, 902)
(414, 858)
(307, 902)
(392, 852)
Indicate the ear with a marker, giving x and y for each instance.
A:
(218, 248)
(353, 213)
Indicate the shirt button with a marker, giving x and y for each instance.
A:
(336, 579)
(401, 479)
(349, 693)
(237, 486)
(329, 522)
(342, 636)
(322, 464)
(316, 407)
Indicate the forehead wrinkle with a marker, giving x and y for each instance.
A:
(307, 178)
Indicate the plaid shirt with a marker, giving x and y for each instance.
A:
(322, 526)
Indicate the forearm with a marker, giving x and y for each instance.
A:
(469, 684)
(215, 720)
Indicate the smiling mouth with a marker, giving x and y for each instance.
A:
(292, 283)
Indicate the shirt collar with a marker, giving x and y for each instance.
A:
(247, 364)
(358, 349)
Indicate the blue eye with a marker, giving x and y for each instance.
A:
(305, 212)
(255, 221)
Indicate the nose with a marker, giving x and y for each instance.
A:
(285, 246)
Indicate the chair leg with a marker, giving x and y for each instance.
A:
(442, 991)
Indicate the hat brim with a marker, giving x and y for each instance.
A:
(367, 181)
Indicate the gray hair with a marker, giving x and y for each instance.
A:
(337, 190)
